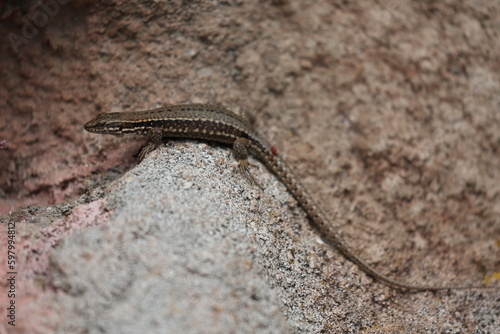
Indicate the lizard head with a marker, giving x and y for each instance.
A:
(107, 123)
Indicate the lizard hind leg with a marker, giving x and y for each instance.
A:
(240, 149)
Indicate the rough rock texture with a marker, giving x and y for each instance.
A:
(184, 244)
(389, 112)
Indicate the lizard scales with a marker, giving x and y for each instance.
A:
(216, 123)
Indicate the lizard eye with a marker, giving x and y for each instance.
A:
(113, 128)
(117, 127)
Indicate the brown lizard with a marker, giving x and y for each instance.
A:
(216, 123)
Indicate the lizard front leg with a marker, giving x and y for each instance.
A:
(154, 140)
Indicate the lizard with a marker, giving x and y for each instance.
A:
(218, 124)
